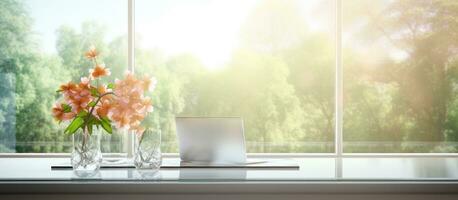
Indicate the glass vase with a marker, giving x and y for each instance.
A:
(148, 150)
(86, 155)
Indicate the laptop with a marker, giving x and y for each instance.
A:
(211, 140)
(207, 142)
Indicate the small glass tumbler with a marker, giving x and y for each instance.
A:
(148, 149)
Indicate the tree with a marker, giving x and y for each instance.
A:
(420, 99)
(27, 83)
(278, 29)
(257, 89)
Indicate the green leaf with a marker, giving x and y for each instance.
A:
(66, 108)
(91, 104)
(92, 121)
(94, 92)
(59, 90)
(105, 119)
(110, 86)
(82, 113)
(75, 125)
(106, 125)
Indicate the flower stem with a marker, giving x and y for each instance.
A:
(93, 107)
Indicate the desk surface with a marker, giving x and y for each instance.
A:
(316, 169)
(315, 176)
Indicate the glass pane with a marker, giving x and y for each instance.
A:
(269, 61)
(400, 76)
(42, 45)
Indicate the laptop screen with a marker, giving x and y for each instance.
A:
(211, 139)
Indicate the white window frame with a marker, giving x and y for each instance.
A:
(338, 133)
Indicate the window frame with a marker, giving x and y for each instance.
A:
(338, 132)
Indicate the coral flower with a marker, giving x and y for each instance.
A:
(104, 108)
(130, 106)
(84, 82)
(79, 96)
(67, 87)
(80, 101)
(99, 71)
(102, 89)
(59, 114)
(92, 53)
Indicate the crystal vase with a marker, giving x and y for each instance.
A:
(148, 150)
(86, 155)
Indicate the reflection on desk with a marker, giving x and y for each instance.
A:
(327, 169)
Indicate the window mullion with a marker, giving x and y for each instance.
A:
(338, 144)
(339, 81)
(131, 61)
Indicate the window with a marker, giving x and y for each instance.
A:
(400, 80)
(42, 43)
(272, 62)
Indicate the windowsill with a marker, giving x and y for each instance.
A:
(255, 155)
(316, 175)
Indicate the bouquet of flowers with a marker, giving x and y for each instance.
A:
(89, 103)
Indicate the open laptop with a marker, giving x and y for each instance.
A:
(217, 142)
(211, 140)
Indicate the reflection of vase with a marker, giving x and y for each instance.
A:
(147, 174)
(148, 150)
(86, 156)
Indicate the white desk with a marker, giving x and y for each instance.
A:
(402, 178)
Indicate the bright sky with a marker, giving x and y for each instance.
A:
(49, 15)
(207, 28)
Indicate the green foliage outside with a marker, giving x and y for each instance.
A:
(408, 104)
(281, 81)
